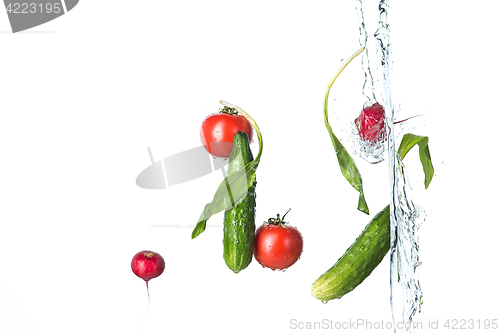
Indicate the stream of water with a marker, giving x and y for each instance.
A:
(406, 217)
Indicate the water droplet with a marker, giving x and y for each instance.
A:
(324, 302)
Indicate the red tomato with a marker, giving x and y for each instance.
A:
(277, 246)
(218, 130)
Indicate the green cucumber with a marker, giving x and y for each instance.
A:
(358, 261)
(239, 221)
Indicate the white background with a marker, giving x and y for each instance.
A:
(83, 96)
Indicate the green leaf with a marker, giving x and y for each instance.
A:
(408, 142)
(229, 193)
(349, 169)
(199, 228)
(346, 163)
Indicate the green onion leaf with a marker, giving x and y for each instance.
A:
(346, 163)
(409, 140)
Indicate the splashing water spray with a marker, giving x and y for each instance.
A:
(406, 217)
(395, 228)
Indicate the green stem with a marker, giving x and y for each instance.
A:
(252, 122)
(344, 65)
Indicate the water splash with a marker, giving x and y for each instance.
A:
(369, 151)
(369, 85)
(406, 218)
(406, 294)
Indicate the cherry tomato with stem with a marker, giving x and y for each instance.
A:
(218, 130)
(277, 246)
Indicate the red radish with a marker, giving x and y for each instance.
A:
(147, 265)
(371, 123)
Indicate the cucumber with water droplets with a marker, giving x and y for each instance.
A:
(239, 221)
(374, 242)
(358, 261)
